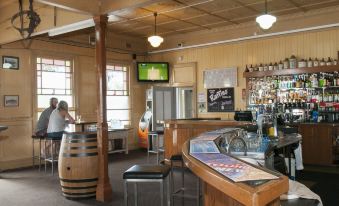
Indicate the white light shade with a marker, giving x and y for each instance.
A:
(155, 41)
(266, 21)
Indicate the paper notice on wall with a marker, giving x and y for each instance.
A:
(201, 97)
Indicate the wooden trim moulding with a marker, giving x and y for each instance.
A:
(306, 70)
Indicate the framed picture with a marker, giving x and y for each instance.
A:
(9, 62)
(11, 101)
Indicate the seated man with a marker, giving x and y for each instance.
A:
(42, 124)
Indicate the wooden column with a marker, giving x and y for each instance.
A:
(104, 189)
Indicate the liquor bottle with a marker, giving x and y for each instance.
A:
(310, 62)
(261, 68)
(265, 67)
(280, 65)
(321, 80)
(251, 68)
(329, 62)
(275, 66)
(315, 62)
(322, 62)
(314, 80)
(246, 69)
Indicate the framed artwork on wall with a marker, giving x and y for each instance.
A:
(9, 62)
(11, 100)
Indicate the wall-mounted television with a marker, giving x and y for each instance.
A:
(153, 71)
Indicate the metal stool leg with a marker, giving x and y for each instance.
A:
(148, 146)
(182, 183)
(45, 157)
(172, 184)
(33, 155)
(168, 191)
(52, 152)
(125, 193)
(198, 191)
(157, 139)
(135, 194)
(39, 154)
(162, 188)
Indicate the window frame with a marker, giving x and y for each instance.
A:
(72, 81)
(128, 83)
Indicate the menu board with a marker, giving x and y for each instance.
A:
(203, 146)
(232, 168)
(220, 100)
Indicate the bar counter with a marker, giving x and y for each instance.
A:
(218, 190)
(177, 132)
(319, 145)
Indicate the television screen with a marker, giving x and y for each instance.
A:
(153, 71)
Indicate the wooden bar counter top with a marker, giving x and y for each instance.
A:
(177, 132)
(218, 190)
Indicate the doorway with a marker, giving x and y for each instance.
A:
(184, 103)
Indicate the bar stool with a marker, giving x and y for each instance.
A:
(53, 155)
(36, 138)
(147, 173)
(155, 147)
(182, 189)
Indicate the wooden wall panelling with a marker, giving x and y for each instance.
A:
(320, 44)
(17, 149)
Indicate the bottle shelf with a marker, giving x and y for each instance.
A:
(283, 72)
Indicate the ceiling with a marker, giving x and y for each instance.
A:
(134, 18)
(183, 16)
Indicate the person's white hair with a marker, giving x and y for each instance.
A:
(62, 105)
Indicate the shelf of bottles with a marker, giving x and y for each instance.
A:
(319, 91)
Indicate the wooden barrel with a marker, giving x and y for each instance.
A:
(78, 165)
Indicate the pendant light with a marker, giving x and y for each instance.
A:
(266, 21)
(155, 40)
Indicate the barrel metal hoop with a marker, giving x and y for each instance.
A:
(80, 147)
(81, 140)
(79, 154)
(85, 193)
(79, 180)
(78, 188)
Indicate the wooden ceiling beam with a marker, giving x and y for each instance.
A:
(85, 7)
(206, 12)
(111, 6)
(297, 5)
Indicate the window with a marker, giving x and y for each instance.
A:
(54, 79)
(118, 101)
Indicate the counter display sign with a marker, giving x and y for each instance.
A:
(220, 100)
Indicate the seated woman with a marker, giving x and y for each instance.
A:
(57, 122)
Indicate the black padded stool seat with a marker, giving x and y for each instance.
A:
(176, 158)
(147, 172)
(299, 202)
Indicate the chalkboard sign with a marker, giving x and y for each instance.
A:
(220, 100)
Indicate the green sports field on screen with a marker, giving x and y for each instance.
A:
(153, 71)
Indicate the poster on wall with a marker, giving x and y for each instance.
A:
(220, 100)
(218, 78)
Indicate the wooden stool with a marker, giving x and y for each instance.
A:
(147, 173)
(181, 191)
